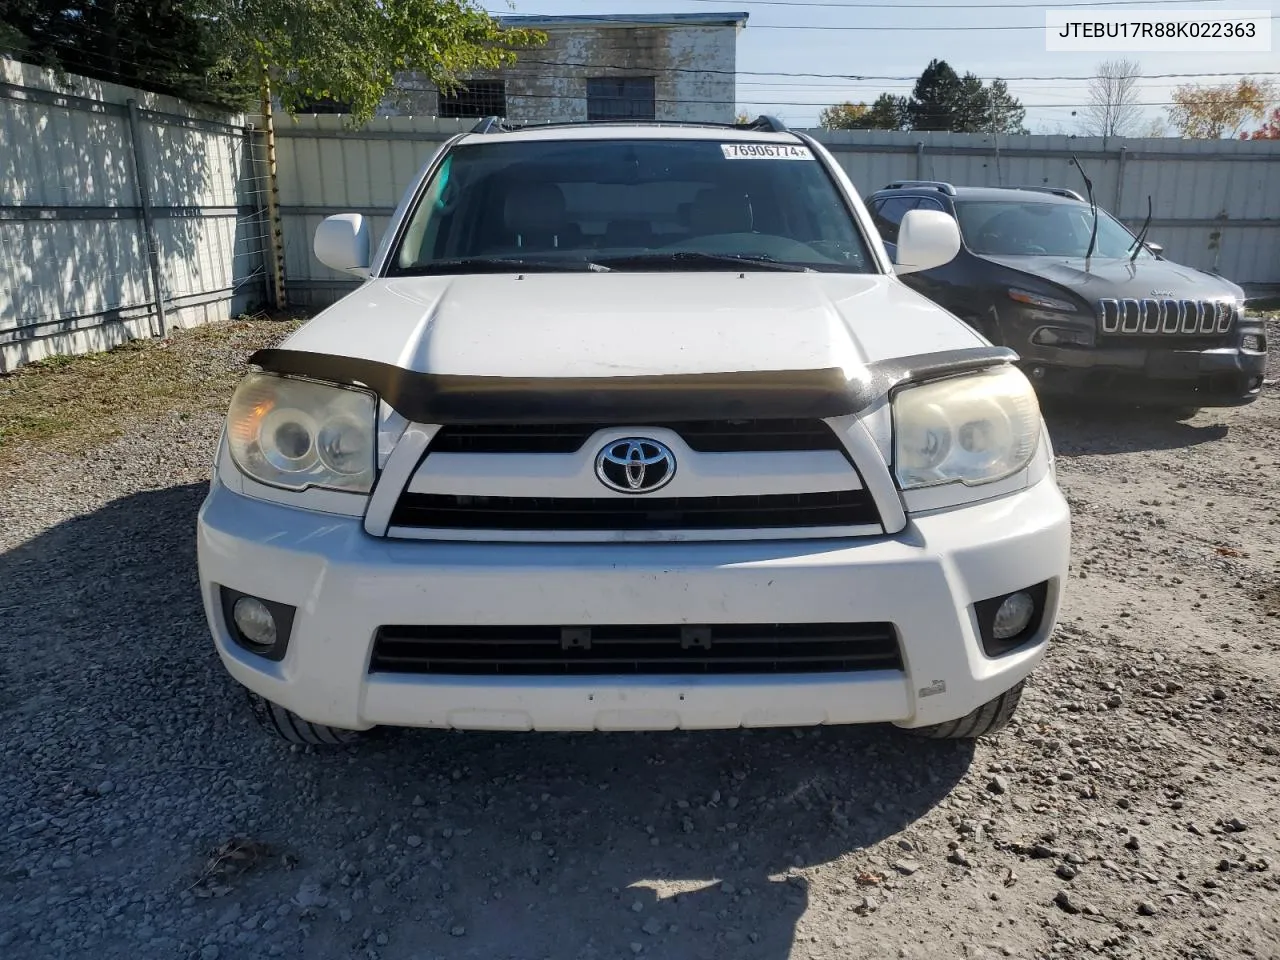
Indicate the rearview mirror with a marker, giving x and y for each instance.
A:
(342, 242)
(926, 239)
(1155, 248)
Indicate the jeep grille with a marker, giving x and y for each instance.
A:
(1167, 317)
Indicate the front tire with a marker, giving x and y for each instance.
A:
(992, 717)
(291, 728)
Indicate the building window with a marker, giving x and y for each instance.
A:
(479, 98)
(620, 98)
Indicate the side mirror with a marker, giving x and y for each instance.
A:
(1155, 248)
(342, 242)
(926, 239)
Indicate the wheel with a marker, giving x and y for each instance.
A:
(290, 727)
(992, 717)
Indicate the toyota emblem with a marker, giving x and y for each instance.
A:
(635, 465)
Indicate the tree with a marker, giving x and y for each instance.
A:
(220, 51)
(353, 51)
(942, 100)
(935, 98)
(970, 113)
(886, 113)
(844, 116)
(889, 112)
(1113, 109)
(1270, 130)
(159, 45)
(1006, 113)
(1211, 112)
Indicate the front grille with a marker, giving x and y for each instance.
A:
(1166, 317)
(837, 508)
(636, 649)
(704, 436)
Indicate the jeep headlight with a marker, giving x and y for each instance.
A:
(971, 429)
(297, 433)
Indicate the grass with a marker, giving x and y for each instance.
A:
(74, 403)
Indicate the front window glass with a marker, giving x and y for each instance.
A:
(631, 204)
(1029, 228)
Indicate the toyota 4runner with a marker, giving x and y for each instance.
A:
(632, 427)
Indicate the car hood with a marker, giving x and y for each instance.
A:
(631, 324)
(1119, 278)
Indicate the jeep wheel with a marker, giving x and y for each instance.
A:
(992, 717)
(290, 727)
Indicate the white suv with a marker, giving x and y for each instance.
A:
(632, 427)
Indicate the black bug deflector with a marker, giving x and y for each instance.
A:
(459, 399)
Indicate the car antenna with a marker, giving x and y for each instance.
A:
(1142, 234)
(1093, 207)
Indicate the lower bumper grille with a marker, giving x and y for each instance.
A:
(837, 508)
(636, 649)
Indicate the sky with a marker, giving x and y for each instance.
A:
(906, 49)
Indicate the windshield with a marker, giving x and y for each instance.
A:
(630, 205)
(1030, 228)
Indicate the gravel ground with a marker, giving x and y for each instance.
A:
(1132, 811)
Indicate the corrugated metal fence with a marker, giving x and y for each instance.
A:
(122, 214)
(88, 259)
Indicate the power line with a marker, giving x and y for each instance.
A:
(869, 76)
(862, 28)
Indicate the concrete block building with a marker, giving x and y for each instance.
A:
(676, 66)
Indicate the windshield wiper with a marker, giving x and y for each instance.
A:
(1093, 206)
(503, 265)
(696, 258)
(1142, 234)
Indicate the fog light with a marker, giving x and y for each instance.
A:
(1012, 616)
(256, 624)
(1254, 343)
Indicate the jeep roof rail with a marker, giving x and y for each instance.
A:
(1056, 191)
(939, 185)
(764, 123)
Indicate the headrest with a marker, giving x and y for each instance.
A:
(535, 209)
(721, 210)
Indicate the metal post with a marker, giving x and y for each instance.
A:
(148, 221)
(259, 209)
(275, 227)
(919, 159)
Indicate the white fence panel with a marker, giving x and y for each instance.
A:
(75, 274)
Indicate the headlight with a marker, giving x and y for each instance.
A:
(297, 434)
(1043, 302)
(972, 429)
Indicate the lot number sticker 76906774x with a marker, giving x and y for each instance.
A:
(765, 151)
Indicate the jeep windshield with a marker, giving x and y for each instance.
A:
(1036, 229)
(630, 205)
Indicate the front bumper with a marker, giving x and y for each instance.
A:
(345, 584)
(1219, 377)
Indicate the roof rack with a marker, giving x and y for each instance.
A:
(939, 185)
(764, 123)
(1056, 191)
